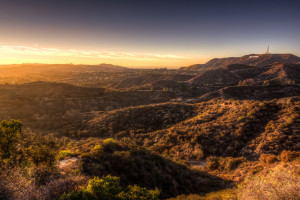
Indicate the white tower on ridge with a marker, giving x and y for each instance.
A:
(268, 52)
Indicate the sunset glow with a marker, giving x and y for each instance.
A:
(26, 54)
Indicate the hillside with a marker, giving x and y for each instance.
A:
(215, 77)
(234, 74)
(141, 119)
(135, 165)
(63, 108)
(230, 128)
(252, 93)
(153, 80)
(217, 127)
(280, 74)
(258, 60)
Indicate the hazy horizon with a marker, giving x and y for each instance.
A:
(131, 67)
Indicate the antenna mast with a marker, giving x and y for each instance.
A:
(268, 50)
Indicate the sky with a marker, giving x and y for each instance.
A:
(144, 33)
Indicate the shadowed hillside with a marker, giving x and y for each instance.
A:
(135, 165)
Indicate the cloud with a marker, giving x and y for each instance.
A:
(75, 53)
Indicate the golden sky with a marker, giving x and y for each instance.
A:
(27, 54)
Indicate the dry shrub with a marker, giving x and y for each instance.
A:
(267, 159)
(224, 163)
(287, 156)
(14, 185)
(228, 194)
(281, 182)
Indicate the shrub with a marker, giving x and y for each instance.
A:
(287, 156)
(224, 163)
(77, 195)
(198, 153)
(109, 188)
(109, 141)
(41, 155)
(212, 163)
(137, 192)
(267, 158)
(9, 136)
(65, 153)
(229, 163)
(228, 194)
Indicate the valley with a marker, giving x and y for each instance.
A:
(198, 132)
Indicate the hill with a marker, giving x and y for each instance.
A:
(215, 77)
(234, 74)
(252, 93)
(259, 60)
(230, 128)
(280, 74)
(153, 80)
(135, 165)
(63, 108)
(140, 119)
(217, 127)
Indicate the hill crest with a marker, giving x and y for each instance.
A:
(258, 60)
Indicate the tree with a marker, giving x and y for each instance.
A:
(41, 154)
(9, 136)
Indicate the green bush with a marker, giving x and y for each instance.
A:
(109, 141)
(41, 155)
(109, 188)
(105, 188)
(137, 192)
(65, 153)
(77, 195)
(9, 136)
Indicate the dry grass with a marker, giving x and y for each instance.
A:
(14, 185)
(279, 183)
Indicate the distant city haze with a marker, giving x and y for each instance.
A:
(169, 33)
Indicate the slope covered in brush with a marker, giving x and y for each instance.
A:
(139, 119)
(230, 128)
(135, 165)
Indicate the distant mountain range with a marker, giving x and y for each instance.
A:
(251, 60)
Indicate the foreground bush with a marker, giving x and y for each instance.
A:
(279, 183)
(109, 188)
